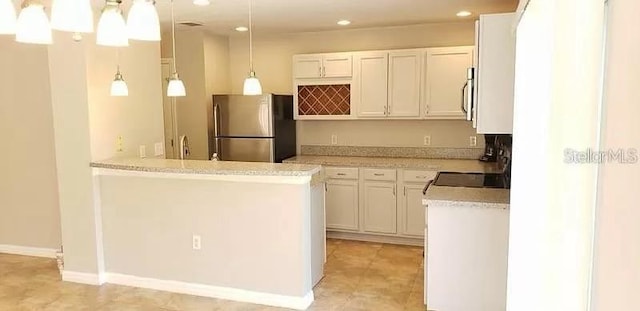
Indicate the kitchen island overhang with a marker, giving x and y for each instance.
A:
(260, 226)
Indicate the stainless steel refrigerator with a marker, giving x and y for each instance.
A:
(252, 128)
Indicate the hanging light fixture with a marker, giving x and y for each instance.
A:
(112, 30)
(143, 22)
(119, 86)
(251, 84)
(176, 87)
(201, 2)
(72, 15)
(7, 18)
(33, 25)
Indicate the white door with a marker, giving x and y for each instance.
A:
(404, 84)
(169, 108)
(307, 66)
(380, 207)
(337, 65)
(446, 75)
(342, 204)
(413, 212)
(370, 84)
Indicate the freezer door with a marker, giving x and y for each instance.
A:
(246, 149)
(243, 116)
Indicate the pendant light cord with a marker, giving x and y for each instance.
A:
(118, 59)
(250, 36)
(173, 36)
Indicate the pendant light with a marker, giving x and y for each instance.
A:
(176, 87)
(33, 25)
(7, 18)
(72, 15)
(119, 86)
(143, 22)
(251, 84)
(201, 2)
(112, 30)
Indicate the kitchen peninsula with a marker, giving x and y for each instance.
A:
(250, 232)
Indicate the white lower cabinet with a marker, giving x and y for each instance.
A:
(376, 204)
(380, 207)
(413, 212)
(342, 204)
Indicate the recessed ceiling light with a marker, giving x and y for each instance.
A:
(201, 2)
(344, 22)
(242, 29)
(463, 14)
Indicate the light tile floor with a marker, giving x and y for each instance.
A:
(358, 276)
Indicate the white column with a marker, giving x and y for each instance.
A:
(69, 98)
(557, 104)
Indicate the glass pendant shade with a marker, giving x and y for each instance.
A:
(33, 25)
(201, 2)
(112, 30)
(252, 85)
(143, 22)
(119, 86)
(72, 16)
(176, 87)
(7, 18)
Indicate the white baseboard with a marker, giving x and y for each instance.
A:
(83, 278)
(225, 293)
(28, 251)
(365, 237)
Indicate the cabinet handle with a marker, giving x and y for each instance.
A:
(341, 174)
(378, 174)
(405, 191)
(394, 191)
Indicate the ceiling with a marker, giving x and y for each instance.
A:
(289, 16)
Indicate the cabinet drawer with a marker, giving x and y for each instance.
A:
(341, 172)
(419, 176)
(379, 174)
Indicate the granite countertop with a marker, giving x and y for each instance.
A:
(209, 167)
(450, 165)
(467, 197)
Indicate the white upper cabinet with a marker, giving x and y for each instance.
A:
(369, 89)
(307, 66)
(317, 66)
(404, 84)
(495, 74)
(446, 75)
(337, 65)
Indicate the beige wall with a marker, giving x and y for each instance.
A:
(29, 213)
(617, 254)
(138, 118)
(273, 65)
(203, 65)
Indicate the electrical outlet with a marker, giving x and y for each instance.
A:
(159, 149)
(427, 140)
(473, 141)
(197, 242)
(334, 139)
(143, 151)
(119, 143)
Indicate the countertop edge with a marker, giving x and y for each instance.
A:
(467, 204)
(206, 171)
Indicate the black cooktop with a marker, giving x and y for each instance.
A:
(471, 180)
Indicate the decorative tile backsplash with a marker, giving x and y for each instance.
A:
(333, 100)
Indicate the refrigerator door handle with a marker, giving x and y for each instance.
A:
(463, 102)
(471, 81)
(216, 130)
